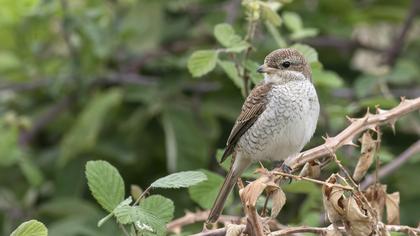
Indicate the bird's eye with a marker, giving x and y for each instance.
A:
(286, 64)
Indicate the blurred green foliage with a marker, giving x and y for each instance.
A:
(86, 80)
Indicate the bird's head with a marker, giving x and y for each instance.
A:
(286, 64)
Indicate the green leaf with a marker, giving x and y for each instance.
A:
(161, 206)
(31, 228)
(31, 171)
(226, 35)
(292, 21)
(126, 202)
(327, 79)
(206, 192)
(271, 15)
(202, 62)
(83, 134)
(404, 72)
(308, 52)
(181, 179)
(186, 142)
(230, 69)
(304, 33)
(105, 183)
(10, 152)
(144, 219)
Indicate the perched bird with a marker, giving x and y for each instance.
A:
(276, 121)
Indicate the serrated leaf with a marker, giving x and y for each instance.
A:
(205, 193)
(292, 21)
(83, 134)
(232, 72)
(202, 62)
(126, 202)
(308, 52)
(144, 219)
(181, 179)
(105, 184)
(31, 228)
(271, 15)
(161, 207)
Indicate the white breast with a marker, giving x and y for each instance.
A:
(286, 125)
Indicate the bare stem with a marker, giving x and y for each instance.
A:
(312, 180)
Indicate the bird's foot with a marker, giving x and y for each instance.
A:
(286, 169)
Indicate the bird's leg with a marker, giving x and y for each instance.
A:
(285, 169)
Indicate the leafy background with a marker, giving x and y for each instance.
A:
(110, 80)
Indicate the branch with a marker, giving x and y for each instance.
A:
(357, 126)
(393, 52)
(393, 165)
(315, 230)
(176, 225)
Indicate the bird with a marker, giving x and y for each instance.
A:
(277, 119)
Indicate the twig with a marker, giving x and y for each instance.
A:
(393, 165)
(393, 52)
(213, 232)
(312, 180)
(176, 225)
(146, 191)
(299, 229)
(357, 126)
(124, 229)
(315, 230)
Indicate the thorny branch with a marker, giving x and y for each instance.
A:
(357, 126)
(315, 230)
(369, 121)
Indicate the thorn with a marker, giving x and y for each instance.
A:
(392, 125)
(350, 143)
(402, 99)
(350, 119)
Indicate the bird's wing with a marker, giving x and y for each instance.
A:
(252, 108)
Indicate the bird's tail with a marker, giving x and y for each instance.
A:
(238, 167)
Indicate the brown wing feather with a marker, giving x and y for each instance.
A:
(253, 106)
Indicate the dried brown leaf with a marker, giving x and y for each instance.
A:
(252, 191)
(376, 195)
(393, 208)
(359, 220)
(334, 200)
(311, 169)
(279, 199)
(368, 151)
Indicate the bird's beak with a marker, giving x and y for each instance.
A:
(264, 69)
(261, 69)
